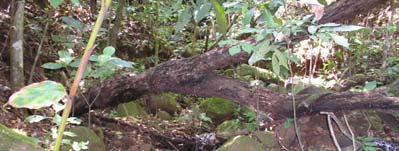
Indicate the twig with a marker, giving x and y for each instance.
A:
(39, 51)
(331, 130)
(351, 132)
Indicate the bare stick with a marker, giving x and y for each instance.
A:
(39, 51)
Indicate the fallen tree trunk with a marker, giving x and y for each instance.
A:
(196, 76)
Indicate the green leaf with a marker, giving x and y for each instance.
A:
(74, 120)
(63, 54)
(75, 2)
(204, 118)
(38, 95)
(370, 86)
(121, 63)
(183, 19)
(340, 40)
(282, 59)
(71, 22)
(269, 19)
(93, 58)
(109, 51)
(288, 123)
(343, 28)
(249, 30)
(257, 56)
(312, 29)
(329, 25)
(58, 107)
(35, 118)
(65, 57)
(56, 3)
(102, 59)
(294, 58)
(234, 50)
(246, 20)
(52, 65)
(75, 63)
(202, 11)
(247, 47)
(228, 42)
(275, 64)
(220, 17)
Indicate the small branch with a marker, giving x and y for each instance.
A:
(39, 51)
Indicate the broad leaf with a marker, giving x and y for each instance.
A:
(257, 56)
(183, 19)
(370, 86)
(65, 57)
(109, 51)
(56, 3)
(75, 2)
(121, 63)
(275, 64)
(202, 11)
(340, 40)
(312, 29)
(35, 118)
(246, 20)
(281, 59)
(38, 95)
(52, 65)
(234, 50)
(102, 59)
(220, 17)
(269, 19)
(247, 47)
(71, 22)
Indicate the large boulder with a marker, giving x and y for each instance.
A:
(84, 134)
(12, 141)
(240, 143)
(228, 129)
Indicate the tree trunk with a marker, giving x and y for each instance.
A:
(113, 34)
(17, 49)
(196, 76)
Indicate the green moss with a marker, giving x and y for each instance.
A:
(130, 109)
(166, 102)
(218, 109)
(241, 143)
(10, 140)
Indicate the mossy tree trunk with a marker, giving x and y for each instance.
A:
(196, 76)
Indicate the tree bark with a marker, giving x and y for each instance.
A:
(17, 49)
(196, 76)
(113, 34)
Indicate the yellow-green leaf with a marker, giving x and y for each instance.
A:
(38, 95)
(220, 17)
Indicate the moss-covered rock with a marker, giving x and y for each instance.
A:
(164, 101)
(393, 89)
(228, 128)
(12, 141)
(218, 109)
(84, 134)
(267, 139)
(240, 143)
(130, 109)
(164, 115)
